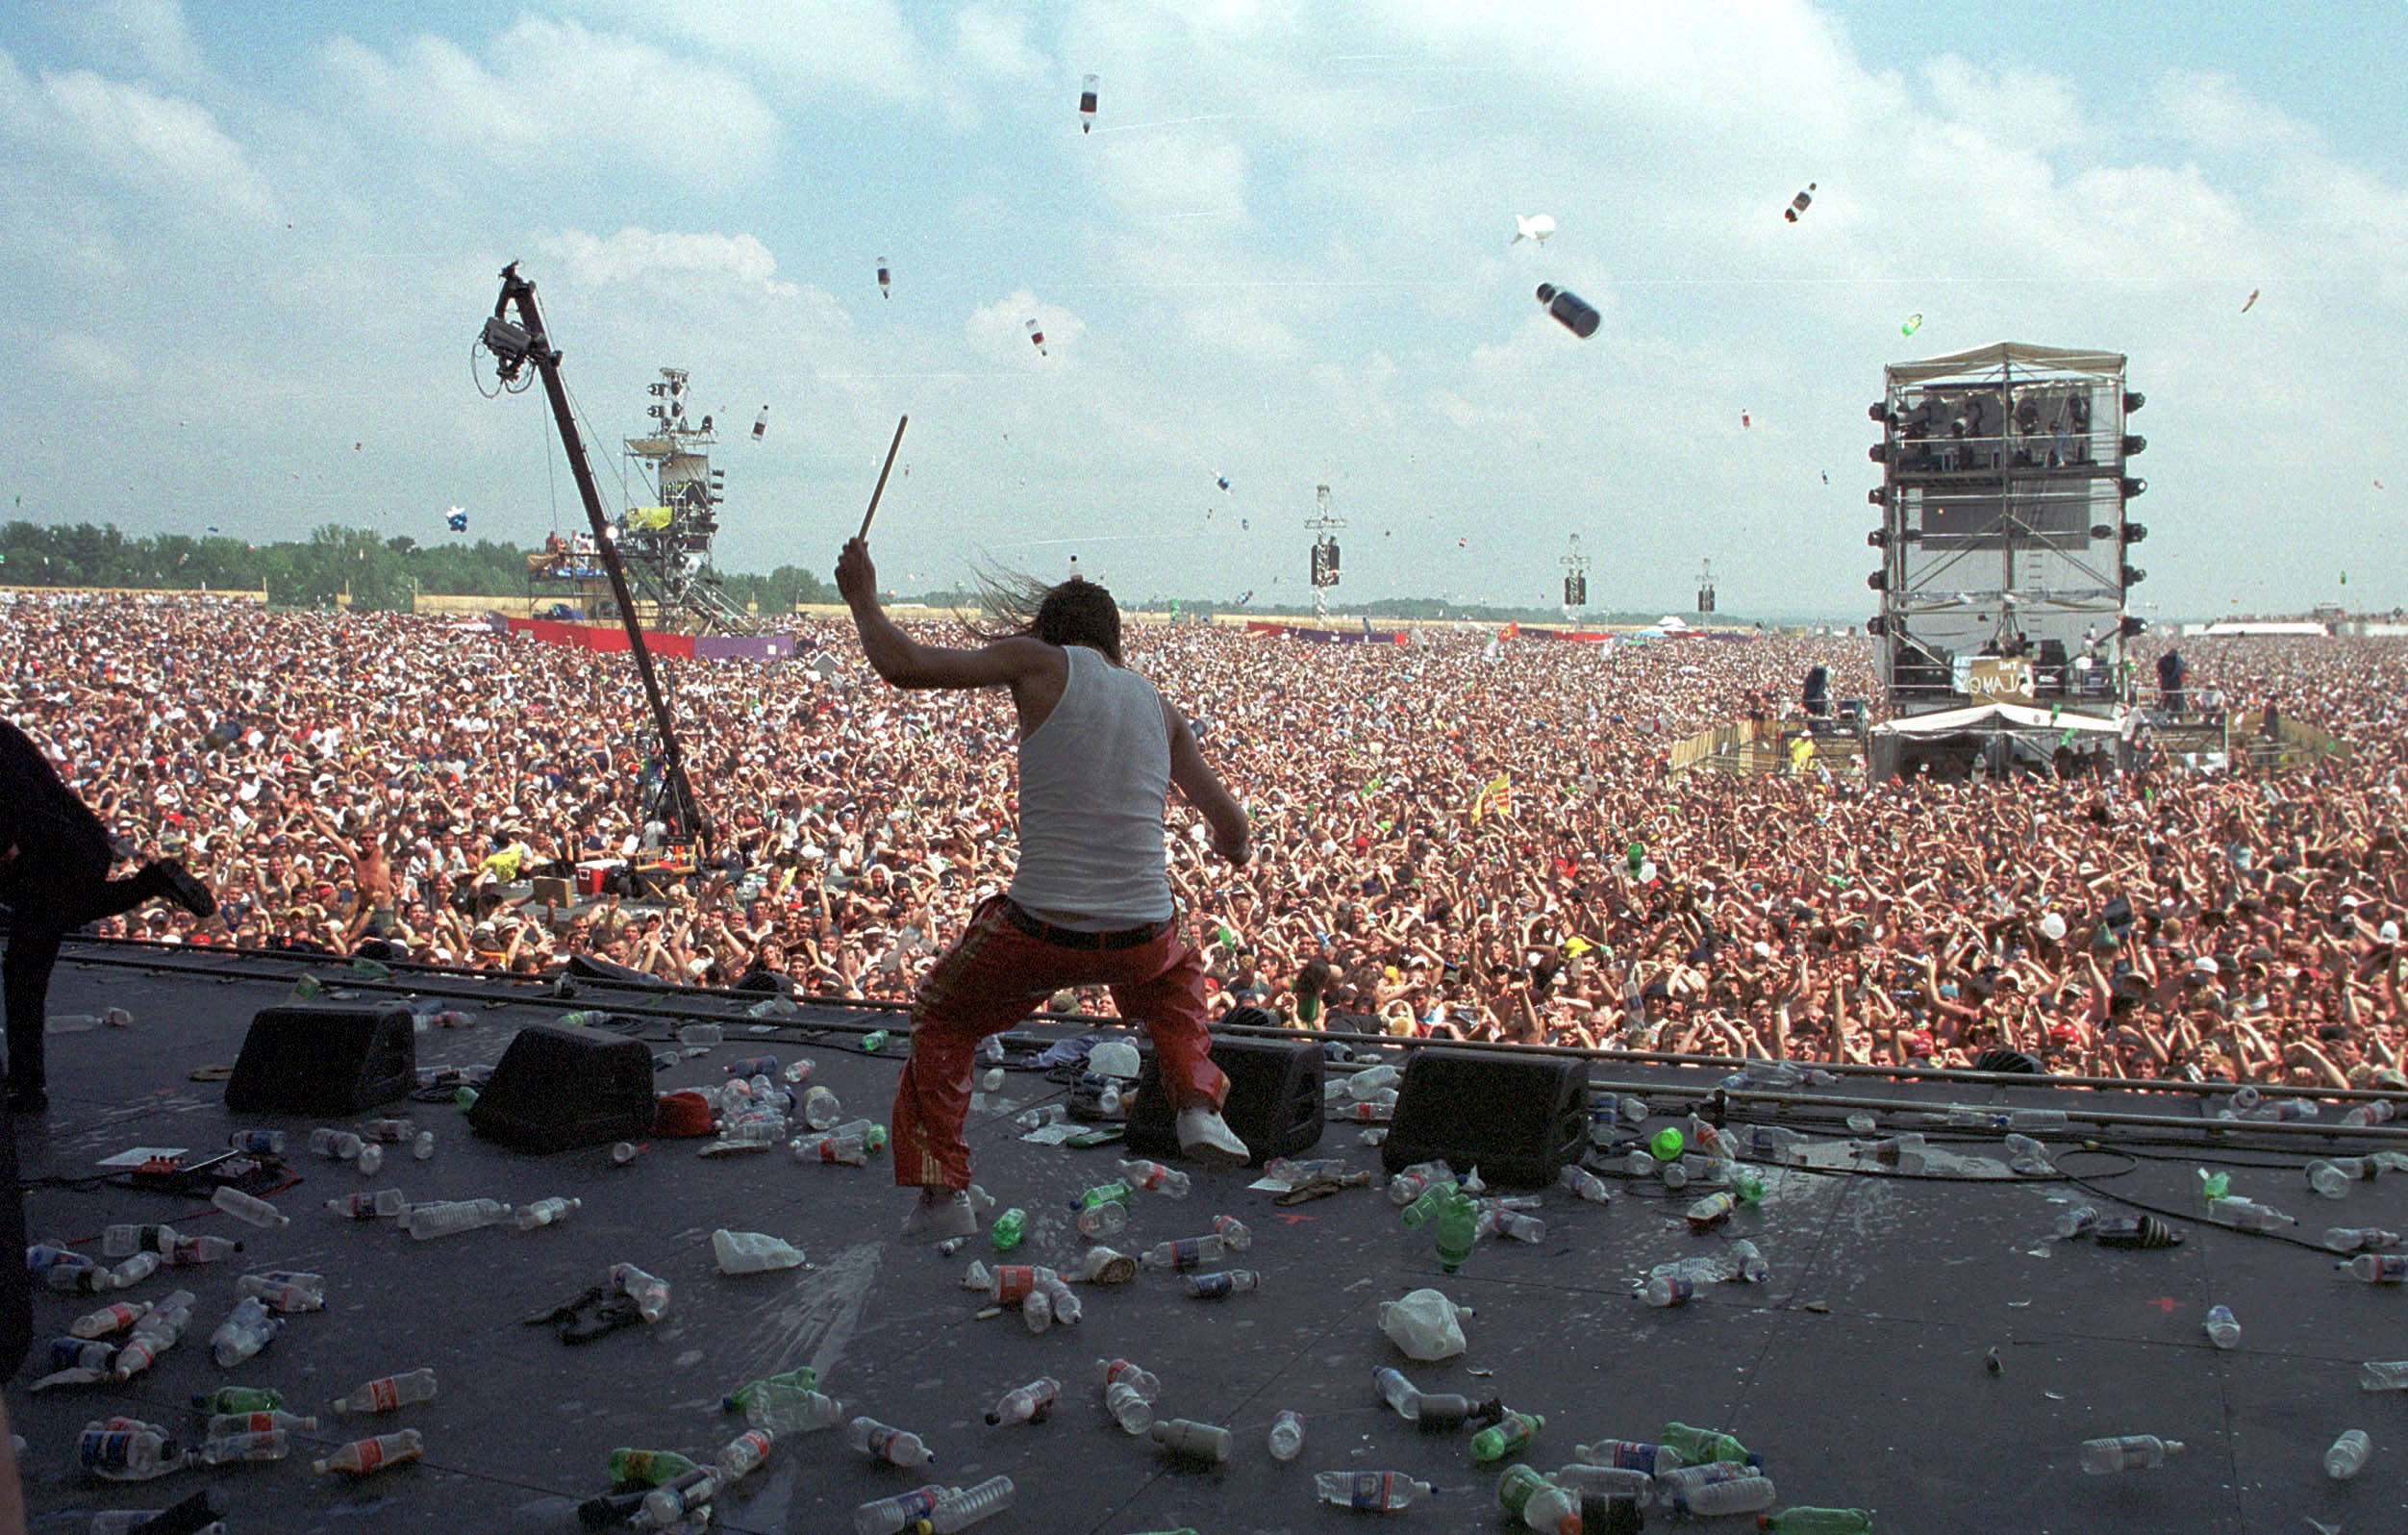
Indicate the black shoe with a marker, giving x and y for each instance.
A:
(186, 890)
(28, 1101)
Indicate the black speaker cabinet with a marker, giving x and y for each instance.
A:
(1519, 1120)
(1274, 1101)
(324, 1060)
(556, 1089)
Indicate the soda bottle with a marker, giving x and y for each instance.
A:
(2378, 1112)
(798, 1074)
(122, 1450)
(827, 1147)
(1585, 1184)
(1509, 1437)
(82, 1353)
(1183, 1436)
(272, 1445)
(822, 1108)
(2129, 1452)
(1286, 1437)
(1026, 1404)
(2348, 1455)
(903, 1511)
(1379, 1492)
(1458, 1228)
(544, 1212)
(651, 1294)
(1539, 1502)
(1154, 1177)
(1009, 1228)
(959, 1510)
(1131, 1408)
(2223, 1330)
(223, 1423)
(248, 1208)
(650, 1467)
(1670, 1290)
(427, 1221)
(246, 1330)
(1233, 1233)
(2352, 1238)
(2377, 1268)
(1712, 1211)
(871, 1133)
(1695, 1446)
(874, 1041)
(1571, 311)
(1221, 1285)
(1804, 1521)
(1110, 1373)
(227, 1399)
(883, 1442)
(745, 1454)
(113, 1318)
(1117, 1191)
(388, 1391)
(1740, 1495)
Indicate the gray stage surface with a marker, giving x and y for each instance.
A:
(1858, 1372)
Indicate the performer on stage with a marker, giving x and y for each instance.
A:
(54, 877)
(1089, 903)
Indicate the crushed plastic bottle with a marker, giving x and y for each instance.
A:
(427, 1221)
(752, 1253)
(648, 1468)
(201, 1513)
(545, 1211)
(336, 1145)
(2128, 1452)
(651, 1294)
(701, 1034)
(246, 1330)
(2383, 1374)
(1375, 1491)
(125, 1450)
(1182, 1436)
(423, 1146)
(782, 1406)
(1026, 1404)
(2347, 1456)
(960, 1509)
(1697, 1446)
(386, 1393)
(2077, 1221)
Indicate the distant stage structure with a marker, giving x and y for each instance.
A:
(2004, 545)
(664, 545)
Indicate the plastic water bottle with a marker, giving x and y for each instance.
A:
(1400, 1394)
(423, 1146)
(1155, 1178)
(783, 1407)
(959, 1510)
(702, 1034)
(667, 1504)
(903, 1511)
(1510, 1436)
(752, 1253)
(2383, 1374)
(653, 1467)
(2077, 1221)
(1131, 1408)
(651, 1293)
(2222, 1329)
(284, 1292)
(385, 1393)
(125, 1241)
(822, 1108)
(370, 1160)
(2332, 1180)
(336, 1145)
(1378, 1492)
(134, 1269)
(132, 1453)
(2377, 1268)
(364, 1457)
(1286, 1437)
(2348, 1455)
(2354, 1239)
(545, 1211)
(427, 1221)
(223, 1424)
(82, 1353)
(884, 1442)
(1670, 1290)
(1742, 1495)
(1607, 1481)
(1585, 1184)
(367, 1206)
(1026, 1404)
(1183, 1436)
(2128, 1452)
(2376, 1112)
(744, 1454)
(116, 1317)
(246, 1330)
(1222, 1284)
(1539, 1502)
(2246, 1215)
(248, 1208)
(1187, 1252)
(1748, 1264)
(272, 1444)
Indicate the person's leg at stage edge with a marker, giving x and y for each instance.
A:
(1161, 985)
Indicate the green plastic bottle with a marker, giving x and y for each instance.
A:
(1116, 1191)
(374, 970)
(1009, 1228)
(308, 987)
(1818, 1522)
(1508, 1435)
(584, 1018)
(1666, 1143)
(652, 1467)
(1697, 1447)
(1458, 1228)
(1748, 1186)
(875, 1138)
(1538, 1502)
(1428, 1203)
(874, 1041)
(2214, 1185)
(804, 1379)
(239, 1399)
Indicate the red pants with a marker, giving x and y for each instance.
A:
(994, 977)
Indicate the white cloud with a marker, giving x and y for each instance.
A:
(559, 93)
(89, 359)
(168, 148)
(636, 254)
(999, 331)
(829, 47)
(993, 42)
(148, 36)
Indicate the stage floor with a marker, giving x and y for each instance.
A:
(1858, 1372)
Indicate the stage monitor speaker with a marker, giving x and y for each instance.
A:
(1519, 1120)
(1274, 1101)
(324, 1060)
(557, 1088)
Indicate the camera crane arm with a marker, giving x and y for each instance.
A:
(514, 345)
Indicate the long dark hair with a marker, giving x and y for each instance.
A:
(1077, 611)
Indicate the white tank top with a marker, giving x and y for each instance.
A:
(1094, 780)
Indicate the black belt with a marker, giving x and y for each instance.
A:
(1037, 927)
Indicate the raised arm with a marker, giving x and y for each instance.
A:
(1203, 789)
(906, 662)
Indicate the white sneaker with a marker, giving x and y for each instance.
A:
(939, 1215)
(1205, 1136)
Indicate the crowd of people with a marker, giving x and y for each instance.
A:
(1465, 837)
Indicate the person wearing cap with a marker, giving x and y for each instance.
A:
(1089, 903)
(54, 877)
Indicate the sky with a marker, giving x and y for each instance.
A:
(249, 249)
